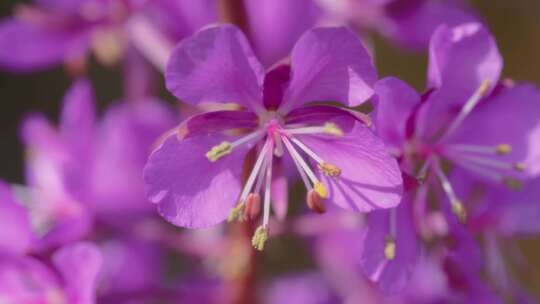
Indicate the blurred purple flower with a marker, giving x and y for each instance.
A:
(409, 23)
(195, 175)
(51, 32)
(85, 168)
(70, 277)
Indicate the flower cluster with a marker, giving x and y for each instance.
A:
(284, 130)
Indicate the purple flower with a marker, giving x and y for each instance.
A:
(408, 23)
(16, 239)
(195, 175)
(69, 279)
(88, 168)
(52, 32)
(300, 288)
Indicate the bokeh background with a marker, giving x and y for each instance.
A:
(515, 24)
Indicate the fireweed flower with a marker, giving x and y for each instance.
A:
(50, 32)
(69, 277)
(87, 167)
(409, 23)
(194, 176)
(461, 123)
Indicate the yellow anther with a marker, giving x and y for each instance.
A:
(503, 149)
(236, 213)
(519, 167)
(333, 129)
(219, 151)
(320, 189)
(459, 211)
(513, 184)
(329, 169)
(259, 238)
(390, 248)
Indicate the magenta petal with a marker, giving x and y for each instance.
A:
(395, 103)
(216, 121)
(273, 40)
(79, 265)
(17, 238)
(78, 116)
(511, 116)
(25, 47)
(460, 59)
(275, 84)
(413, 27)
(392, 276)
(190, 190)
(216, 65)
(321, 114)
(329, 64)
(370, 178)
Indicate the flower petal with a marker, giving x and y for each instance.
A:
(216, 121)
(79, 265)
(395, 103)
(412, 26)
(25, 47)
(17, 238)
(216, 65)
(511, 116)
(461, 58)
(329, 64)
(78, 116)
(392, 276)
(273, 40)
(370, 178)
(190, 190)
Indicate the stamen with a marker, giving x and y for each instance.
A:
(327, 128)
(468, 107)
(259, 238)
(493, 163)
(219, 151)
(320, 189)
(459, 211)
(422, 174)
(390, 248)
(237, 211)
(315, 202)
(512, 184)
(225, 148)
(303, 165)
(457, 206)
(267, 190)
(327, 168)
(501, 149)
(332, 128)
(519, 167)
(504, 149)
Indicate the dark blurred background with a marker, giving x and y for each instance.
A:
(515, 24)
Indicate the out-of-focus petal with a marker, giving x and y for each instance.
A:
(280, 189)
(412, 27)
(127, 135)
(510, 117)
(329, 64)
(395, 102)
(190, 190)
(79, 265)
(391, 275)
(216, 65)
(16, 235)
(461, 58)
(370, 178)
(273, 40)
(78, 116)
(301, 288)
(26, 47)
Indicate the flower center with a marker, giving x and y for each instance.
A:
(276, 137)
